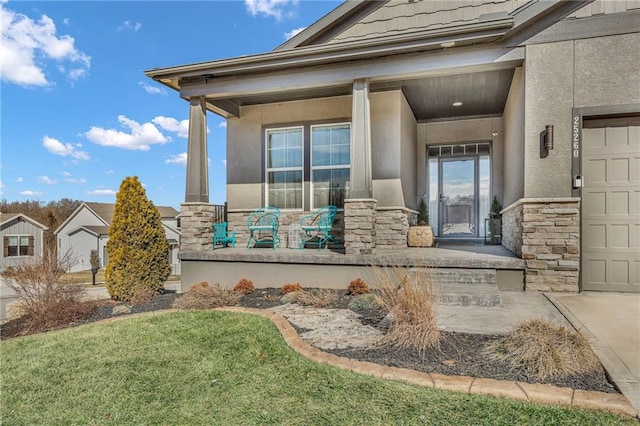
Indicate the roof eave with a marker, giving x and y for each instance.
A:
(338, 52)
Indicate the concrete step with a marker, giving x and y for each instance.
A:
(463, 276)
(478, 295)
(465, 287)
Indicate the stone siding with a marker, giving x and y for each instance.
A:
(550, 242)
(196, 225)
(392, 227)
(360, 226)
(512, 229)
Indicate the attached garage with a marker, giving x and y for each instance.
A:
(611, 205)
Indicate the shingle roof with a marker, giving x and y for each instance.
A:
(6, 217)
(105, 211)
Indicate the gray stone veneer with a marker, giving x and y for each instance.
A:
(392, 226)
(550, 241)
(360, 225)
(196, 221)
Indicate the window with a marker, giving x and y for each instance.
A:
(18, 245)
(284, 158)
(330, 163)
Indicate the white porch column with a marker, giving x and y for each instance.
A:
(360, 142)
(197, 190)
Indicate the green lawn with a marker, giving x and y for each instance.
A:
(205, 368)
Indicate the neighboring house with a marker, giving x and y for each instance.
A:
(88, 229)
(21, 236)
(382, 103)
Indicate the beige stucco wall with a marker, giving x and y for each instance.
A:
(408, 147)
(391, 122)
(462, 131)
(514, 118)
(593, 72)
(245, 151)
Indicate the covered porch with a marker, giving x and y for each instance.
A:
(463, 274)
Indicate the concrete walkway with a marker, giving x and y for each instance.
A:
(611, 322)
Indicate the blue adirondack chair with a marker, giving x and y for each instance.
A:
(318, 225)
(221, 236)
(263, 227)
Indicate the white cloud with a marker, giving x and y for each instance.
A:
(46, 180)
(153, 90)
(1, 184)
(275, 8)
(20, 179)
(140, 138)
(28, 44)
(180, 159)
(224, 162)
(31, 193)
(294, 32)
(181, 128)
(128, 25)
(223, 125)
(102, 192)
(109, 172)
(65, 173)
(74, 180)
(54, 146)
(66, 21)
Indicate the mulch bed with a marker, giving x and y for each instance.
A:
(459, 354)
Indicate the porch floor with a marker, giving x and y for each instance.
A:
(445, 255)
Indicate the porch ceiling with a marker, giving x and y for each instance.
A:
(431, 98)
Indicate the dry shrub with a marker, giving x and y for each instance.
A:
(289, 287)
(45, 303)
(409, 297)
(366, 302)
(205, 296)
(244, 286)
(357, 286)
(544, 350)
(143, 295)
(318, 298)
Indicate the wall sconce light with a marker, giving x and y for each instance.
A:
(546, 141)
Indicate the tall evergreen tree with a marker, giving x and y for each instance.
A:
(137, 247)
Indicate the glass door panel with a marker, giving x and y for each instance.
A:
(458, 198)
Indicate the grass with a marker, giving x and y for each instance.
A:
(546, 350)
(205, 367)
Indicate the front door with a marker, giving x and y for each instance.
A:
(459, 189)
(458, 218)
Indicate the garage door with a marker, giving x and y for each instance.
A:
(611, 209)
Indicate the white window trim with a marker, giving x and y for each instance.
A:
(268, 170)
(312, 167)
(22, 235)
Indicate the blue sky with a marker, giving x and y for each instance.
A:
(78, 114)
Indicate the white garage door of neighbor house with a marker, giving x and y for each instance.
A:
(611, 209)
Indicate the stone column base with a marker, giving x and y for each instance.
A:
(360, 225)
(196, 226)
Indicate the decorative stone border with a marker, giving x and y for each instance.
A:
(540, 393)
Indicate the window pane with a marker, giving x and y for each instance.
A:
(24, 250)
(341, 154)
(13, 241)
(24, 240)
(331, 145)
(329, 187)
(284, 148)
(285, 189)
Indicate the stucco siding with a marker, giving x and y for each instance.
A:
(408, 138)
(548, 101)
(607, 70)
(245, 142)
(514, 118)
